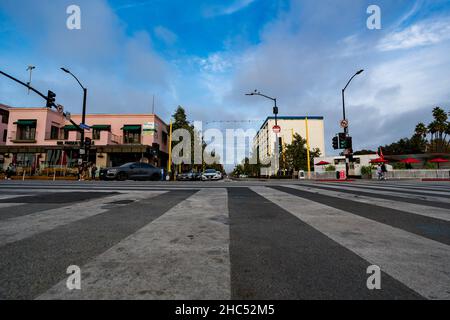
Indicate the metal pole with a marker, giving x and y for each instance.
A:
(169, 162)
(308, 162)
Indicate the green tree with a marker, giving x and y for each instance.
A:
(296, 154)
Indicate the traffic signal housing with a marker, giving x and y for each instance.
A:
(87, 143)
(51, 99)
(335, 143)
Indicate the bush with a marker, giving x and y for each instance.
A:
(366, 170)
(330, 168)
(430, 165)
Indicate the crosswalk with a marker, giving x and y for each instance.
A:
(262, 240)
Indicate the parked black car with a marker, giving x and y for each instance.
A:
(132, 171)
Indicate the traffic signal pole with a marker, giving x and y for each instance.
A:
(46, 98)
(349, 152)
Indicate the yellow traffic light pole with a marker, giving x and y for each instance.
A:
(169, 162)
(307, 149)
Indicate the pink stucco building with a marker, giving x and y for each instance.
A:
(43, 137)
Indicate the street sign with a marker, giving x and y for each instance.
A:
(344, 123)
(276, 129)
(84, 126)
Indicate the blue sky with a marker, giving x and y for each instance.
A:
(205, 55)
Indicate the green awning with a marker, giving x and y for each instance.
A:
(25, 122)
(131, 128)
(70, 127)
(101, 127)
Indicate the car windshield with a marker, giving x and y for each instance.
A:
(127, 165)
(210, 171)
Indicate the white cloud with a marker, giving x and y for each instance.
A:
(165, 35)
(421, 34)
(233, 7)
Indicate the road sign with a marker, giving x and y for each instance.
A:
(344, 123)
(84, 126)
(276, 129)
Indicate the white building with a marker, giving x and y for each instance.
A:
(264, 143)
(339, 163)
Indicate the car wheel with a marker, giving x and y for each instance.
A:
(122, 176)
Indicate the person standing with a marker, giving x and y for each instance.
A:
(93, 172)
(383, 171)
(379, 172)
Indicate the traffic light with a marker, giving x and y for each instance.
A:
(349, 143)
(275, 110)
(342, 140)
(336, 143)
(87, 143)
(51, 98)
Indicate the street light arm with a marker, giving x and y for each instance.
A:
(77, 81)
(348, 83)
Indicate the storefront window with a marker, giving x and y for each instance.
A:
(26, 130)
(132, 134)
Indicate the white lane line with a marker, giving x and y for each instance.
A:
(8, 205)
(18, 228)
(433, 212)
(419, 263)
(376, 187)
(184, 254)
(389, 193)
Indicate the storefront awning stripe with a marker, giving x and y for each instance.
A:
(131, 128)
(25, 122)
(101, 127)
(70, 128)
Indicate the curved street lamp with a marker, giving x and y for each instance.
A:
(343, 95)
(83, 116)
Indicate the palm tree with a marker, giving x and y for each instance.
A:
(440, 125)
(421, 130)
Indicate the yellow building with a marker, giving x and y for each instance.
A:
(264, 143)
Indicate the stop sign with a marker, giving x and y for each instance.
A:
(276, 129)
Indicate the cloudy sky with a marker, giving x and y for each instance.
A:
(205, 55)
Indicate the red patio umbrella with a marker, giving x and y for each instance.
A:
(322, 163)
(410, 160)
(379, 160)
(438, 161)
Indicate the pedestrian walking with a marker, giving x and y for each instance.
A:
(383, 171)
(93, 171)
(379, 172)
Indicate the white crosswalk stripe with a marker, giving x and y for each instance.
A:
(18, 228)
(423, 191)
(181, 255)
(185, 252)
(419, 263)
(442, 199)
(427, 211)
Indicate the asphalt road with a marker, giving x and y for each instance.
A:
(224, 240)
